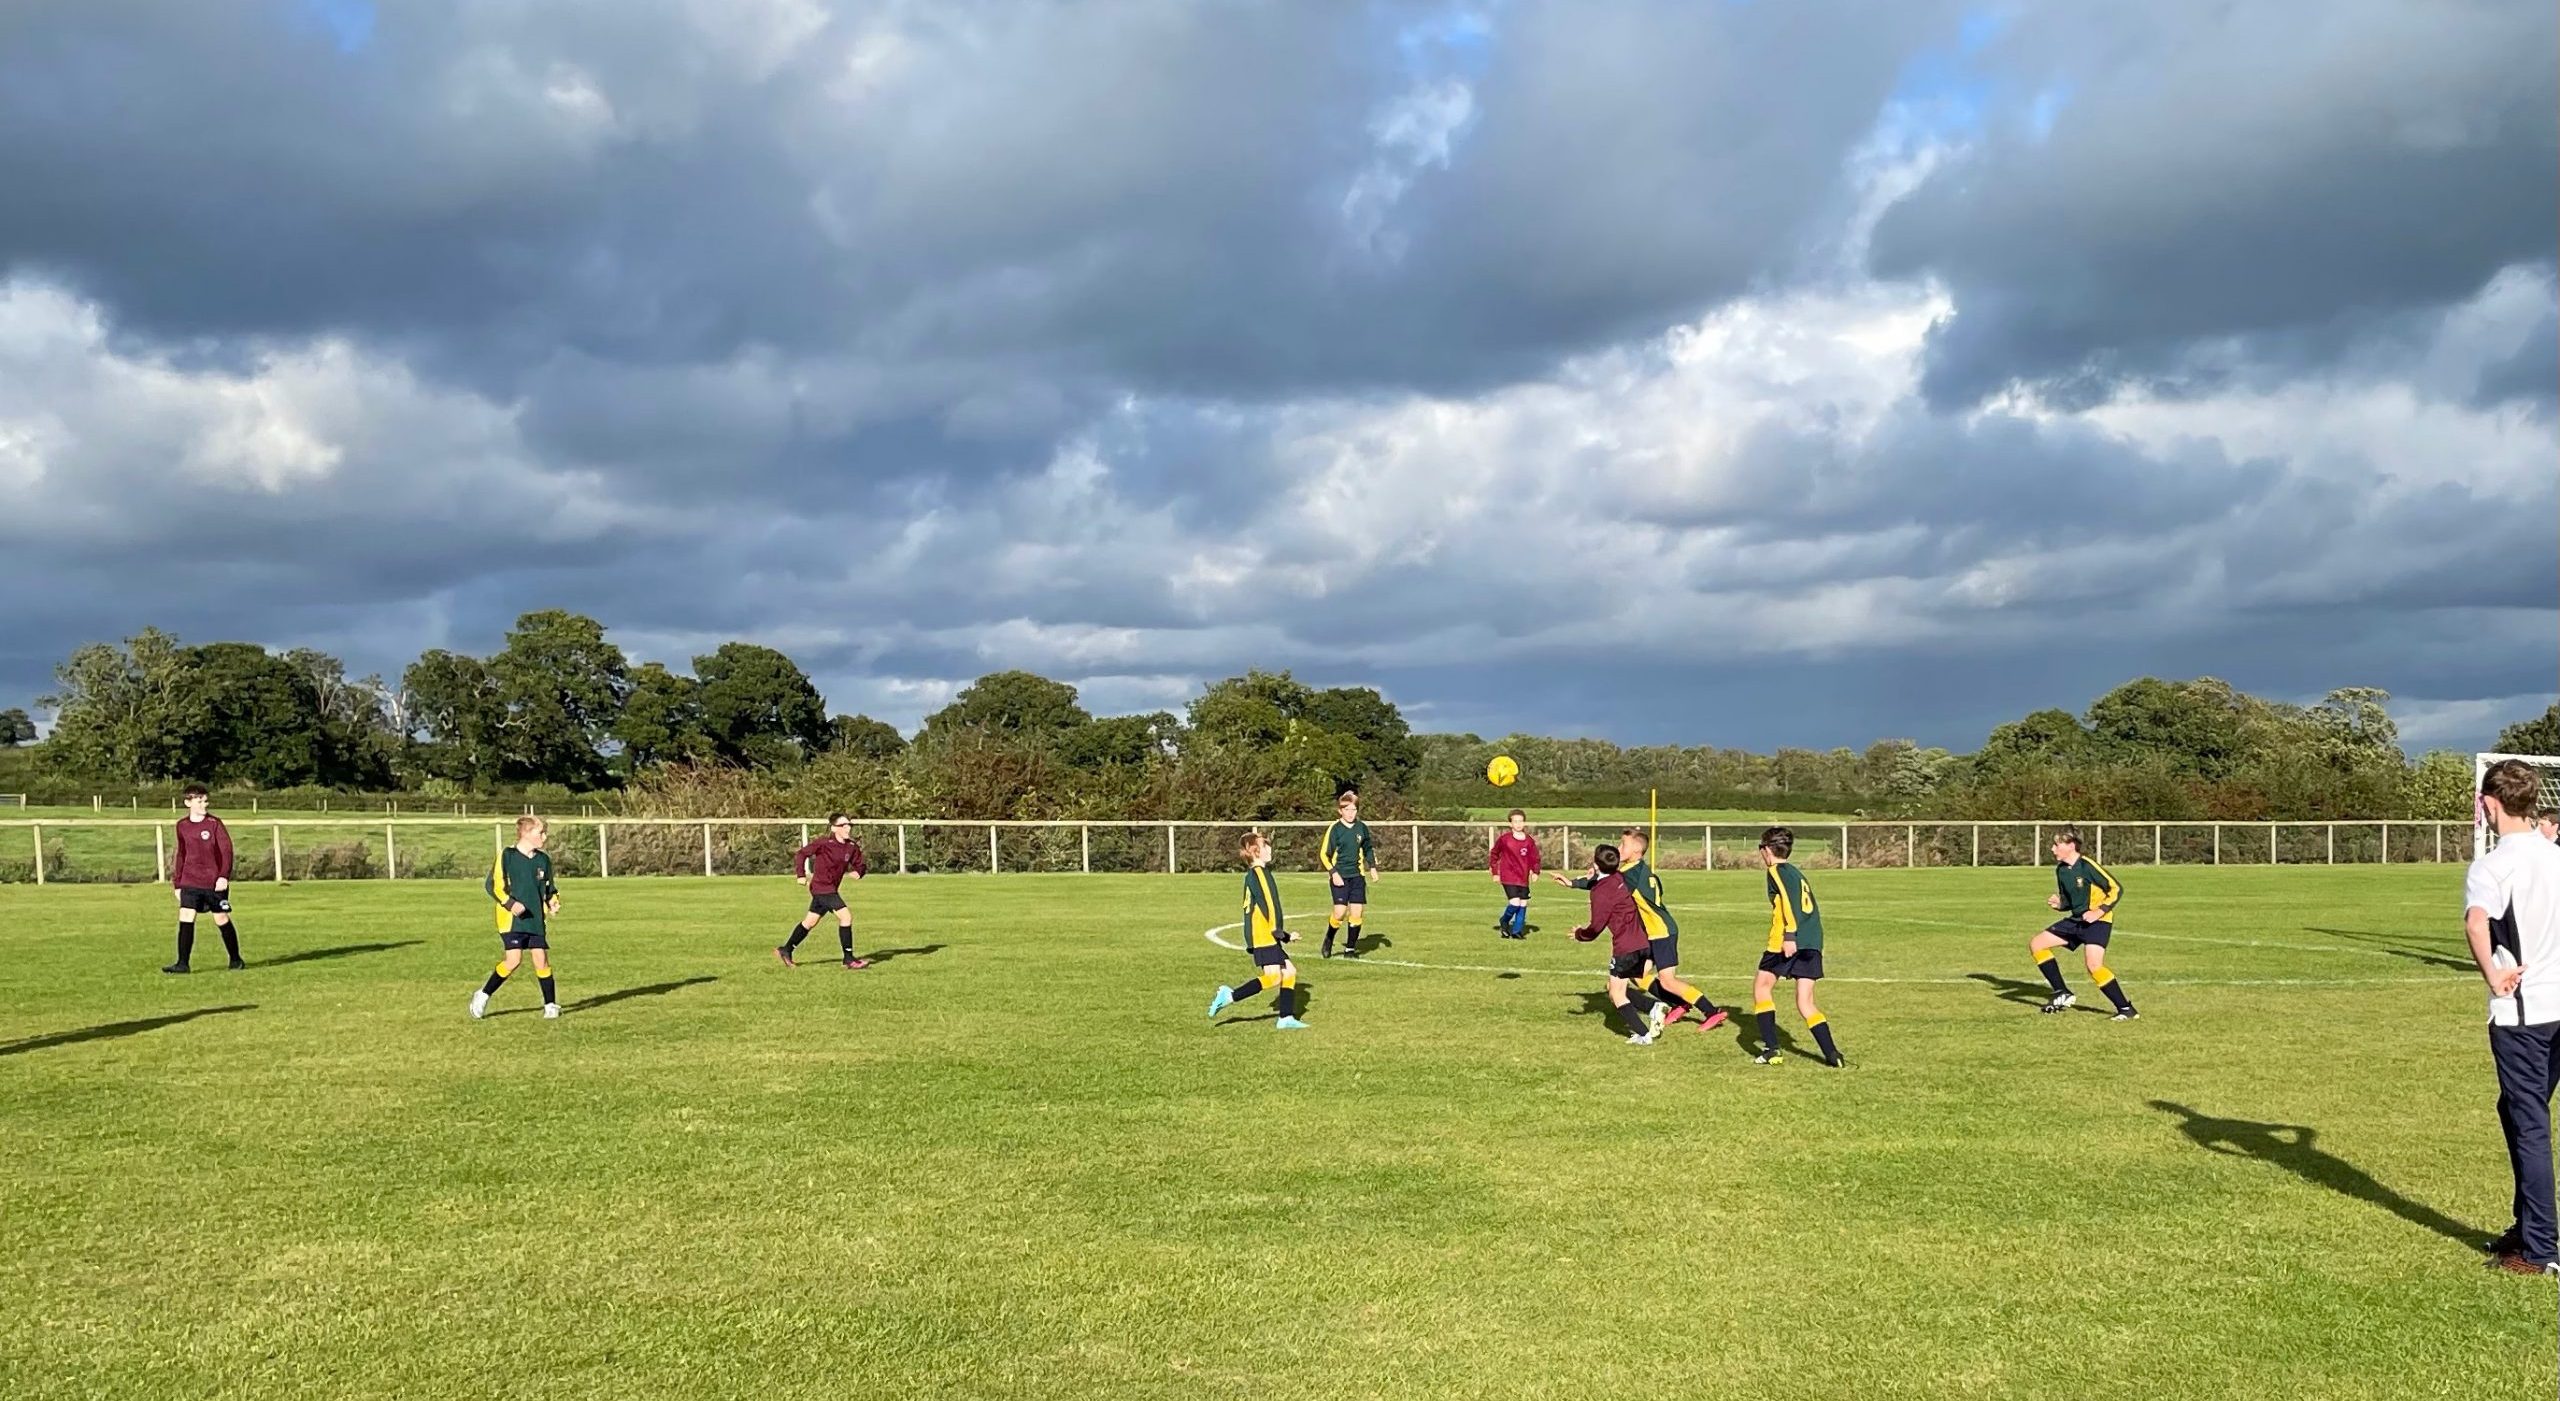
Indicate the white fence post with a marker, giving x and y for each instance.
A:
(1977, 844)
(2098, 842)
(1910, 845)
(1707, 847)
(390, 853)
(2386, 843)
(1416, 829)
(992, 867)
(2155, 843)
(2333, 843)
(38, 829)
(1568, 846)
(1084, 838)
(1844, 846)
(2217, 843)
(604, 852)
(706, 850)
(804, 834)
(277, 830)
(2439, 843)
(1169, 858)
(902, 848)
(159, 853)
(2272, 858)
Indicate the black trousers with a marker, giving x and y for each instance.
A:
(2528, 1060)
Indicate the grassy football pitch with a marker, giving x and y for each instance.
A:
(1013, 1159)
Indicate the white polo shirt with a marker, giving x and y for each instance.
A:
(2517, 884)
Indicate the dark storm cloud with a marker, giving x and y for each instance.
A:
(2215, 169)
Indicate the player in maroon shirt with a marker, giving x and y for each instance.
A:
(1515, 864)
(203, 879)
(824, 866)
(1613, 909)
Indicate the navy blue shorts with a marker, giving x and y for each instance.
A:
(1806, 965)
(1270, 955)
(203, 901)
(1354, 890)
(1665, 951)
(525, 939)
(2075, 931)
(1628, 965)
(1514, 892)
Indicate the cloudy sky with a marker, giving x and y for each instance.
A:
(1721, 371)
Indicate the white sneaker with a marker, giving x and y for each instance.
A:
(1653, 1021)
(1641, 1038)
(2061, 1002)
(479, 1005)
(550, 1011)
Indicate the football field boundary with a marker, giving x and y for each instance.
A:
(1216, 935)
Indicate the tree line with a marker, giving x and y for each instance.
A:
(559, 706)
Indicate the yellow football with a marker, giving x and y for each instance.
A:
(1501, 771)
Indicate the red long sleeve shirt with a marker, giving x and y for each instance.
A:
(1513, 860)
(204, 854)
(1613, 908)
(826, 862)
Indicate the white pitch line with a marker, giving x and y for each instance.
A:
(1371, 960)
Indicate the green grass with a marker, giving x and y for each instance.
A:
(1014, 1161)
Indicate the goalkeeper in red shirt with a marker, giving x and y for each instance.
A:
(1515, 865)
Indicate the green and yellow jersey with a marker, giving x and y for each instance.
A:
(1348, 849)
(1792, 912)
(2088, 892)
(1646, 887)
(526, 880)
(1261, 909)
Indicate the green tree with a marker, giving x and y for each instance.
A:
(454, 705)
(16, 729)
(2045, 737)
(758, 706)
(562, 684)
(262, 723)
(1388, 755)
(125, 712)
(1128, 741)
(1010, 702)
(2438, 786)
(2192, 726)
(661, 719)
(2540, 735)
(860, 735)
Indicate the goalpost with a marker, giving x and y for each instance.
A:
(2547, 765)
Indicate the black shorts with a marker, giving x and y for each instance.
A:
(826, 904)
(1514, 892)
(2075, 931)
(1270, 955)
(1665, 951)
(1806, 965)
(1354, 890)
(203, 901)
(1628, 965)
(526, 939)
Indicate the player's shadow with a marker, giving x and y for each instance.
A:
(2398, 947)
(2293, 1148)
(106, 1031)
(607, 999)
(1596, 1003)
(340, 951)
(2022, 992)
(919, 951)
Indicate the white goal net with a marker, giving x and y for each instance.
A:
(2549, 766)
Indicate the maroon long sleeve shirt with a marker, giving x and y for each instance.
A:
(826, 862)
(1613, 908)
(204, 854)
(1513, 860)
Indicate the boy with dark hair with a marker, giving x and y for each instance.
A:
(1613, 908)
(202, 876)
(520, 884)
(824, 866)
(1514, 862)
(2087, 896)
(1794, 951)
(2511, 919)
(1265, 939)
(1349, 858)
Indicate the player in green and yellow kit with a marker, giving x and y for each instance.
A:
(1349, 857)
(1794, 950)
(2087, 896)
(521, 886)
(1265, 939)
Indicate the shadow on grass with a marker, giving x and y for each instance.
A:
(2398, 946)
(607, 999)
(2292, 1147)
(919, 951)
(107, 1031)
(341, 951)
(2027, 994)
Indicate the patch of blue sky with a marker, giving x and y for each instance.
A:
(347, 23)
(1454, 39)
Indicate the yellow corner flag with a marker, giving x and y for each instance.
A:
(1653, 819)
